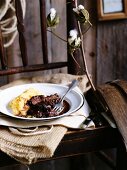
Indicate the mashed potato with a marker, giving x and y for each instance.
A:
(18, 104)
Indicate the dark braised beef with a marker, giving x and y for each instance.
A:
(41, 106)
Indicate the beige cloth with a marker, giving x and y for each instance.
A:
(28, 149)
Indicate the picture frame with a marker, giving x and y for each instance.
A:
(111, 9)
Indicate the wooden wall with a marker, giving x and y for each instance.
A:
(111, 50)
(56, 47)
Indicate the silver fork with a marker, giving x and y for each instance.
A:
(59, 106)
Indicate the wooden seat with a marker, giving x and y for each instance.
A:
(75, 142)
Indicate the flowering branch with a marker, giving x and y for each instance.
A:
(74, 42)
(82, 16)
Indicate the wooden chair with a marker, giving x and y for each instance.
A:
(75, 142)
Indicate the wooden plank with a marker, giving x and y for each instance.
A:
(72, 24)
(37, 67)
(33, 41)
(21, 31)
(59, 52)
(90, 39)
(43, 26)
(111, 51)
(3, 57)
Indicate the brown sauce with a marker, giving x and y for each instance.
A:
(66, 106)
(35, 112)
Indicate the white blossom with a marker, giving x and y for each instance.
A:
(52, 18)
(52, 13)
(73, 35)
(82, 14)
(78, 9)
(73, 38)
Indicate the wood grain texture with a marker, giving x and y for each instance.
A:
(3, 57)
(57, 50)
(58, 47)
(21, 30)
(72, 24)
(90, 38)
(43, 25)
(111, 51)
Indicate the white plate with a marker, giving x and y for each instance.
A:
(74, 98)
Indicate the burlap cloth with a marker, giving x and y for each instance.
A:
(28, 149)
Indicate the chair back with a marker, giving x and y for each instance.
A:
(25, 67)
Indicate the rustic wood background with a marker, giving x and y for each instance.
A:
(111, 50)
(104, 43)
(106, 53)
(56, 48)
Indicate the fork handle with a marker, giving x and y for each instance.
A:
(73, 84)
